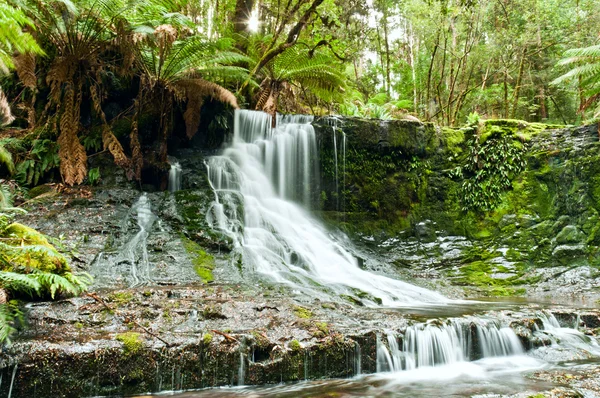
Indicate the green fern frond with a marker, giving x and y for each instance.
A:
(64, 285)
(9, 314)
(24, 283)
(7, 160)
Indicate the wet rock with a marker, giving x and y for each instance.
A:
(569, 234)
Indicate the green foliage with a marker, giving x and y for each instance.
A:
(6, 159)
(489, 169)
(585, 69)
(94, 176)
(10, 314)
(30, 267)
(12, 37)
(92, 142)
(39, 161)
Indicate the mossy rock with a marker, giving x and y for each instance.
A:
(204, 263)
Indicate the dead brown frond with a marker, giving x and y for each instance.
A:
(108, 138)
(137, 159)
(263, 94)
(73, 159)
(267, 98)
(194, 91)
(25, 67)
(6, 116)
(192, 114)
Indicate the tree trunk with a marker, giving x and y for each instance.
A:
(243, 10)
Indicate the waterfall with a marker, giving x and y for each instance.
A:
(335, 159)
(262, 185)
(12, 380)
(132, 258)
(566, 337)
(334, 122)
(459, 340)
(175, 177)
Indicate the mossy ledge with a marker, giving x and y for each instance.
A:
(417, 183)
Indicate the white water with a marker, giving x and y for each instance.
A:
(458, 340)
(569, 338)
(12, 380)
(133, 255)
(334, 122)
(269, 172)
(175, 177)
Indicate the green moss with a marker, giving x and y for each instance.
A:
(192, 206)
(295, 345)
(203, 263)
(520, 129)
(39, 190)
(121, 298)
(132, 342)
(302, 312)
(323, 327)
(481, 274)
(207, 338)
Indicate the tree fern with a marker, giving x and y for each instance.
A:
(303, 69)
(585, 67)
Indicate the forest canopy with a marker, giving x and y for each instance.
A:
(123, 76)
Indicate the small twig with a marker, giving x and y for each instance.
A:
(97, 153)
(150, 333)
(227, 336)
(100, 301)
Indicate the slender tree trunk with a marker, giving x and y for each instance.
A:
(505, 92)
(387, 49)
(411, 42)
(518, 84)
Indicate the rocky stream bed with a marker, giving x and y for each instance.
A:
(176, 310)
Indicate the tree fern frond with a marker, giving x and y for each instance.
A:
(20, 282)
(53, 284)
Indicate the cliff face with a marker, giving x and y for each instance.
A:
(493, 204)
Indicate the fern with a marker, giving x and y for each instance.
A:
(41, 160)
(315, 73)
(9, 315)
(22, 283)
(585, 66)
(7, 160)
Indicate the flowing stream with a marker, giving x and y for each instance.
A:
(263, 184)
(130, 261)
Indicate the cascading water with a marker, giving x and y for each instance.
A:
(566, 337)
(259, 182)
(459, 340)
(133, 255)
(335, 122)
(175, 177)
